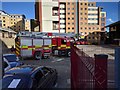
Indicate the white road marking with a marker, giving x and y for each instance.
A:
(58, 60)
(14, 83)
(68, 81)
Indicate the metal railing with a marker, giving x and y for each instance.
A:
(87, 72)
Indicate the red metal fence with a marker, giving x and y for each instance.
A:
(87, 72)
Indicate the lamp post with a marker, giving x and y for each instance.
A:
(77, 18)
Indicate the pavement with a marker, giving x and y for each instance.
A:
(104, 49)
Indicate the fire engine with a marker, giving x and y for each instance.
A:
(38, 44)
(61, 46)
(28, 45)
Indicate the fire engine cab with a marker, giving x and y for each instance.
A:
(61, 46)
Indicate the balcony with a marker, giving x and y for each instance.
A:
(55, 18)
(55, 3)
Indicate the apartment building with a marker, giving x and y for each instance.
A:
(63, 16)
(13, 21)
(27, 25)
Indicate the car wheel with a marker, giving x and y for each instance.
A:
(38, 55)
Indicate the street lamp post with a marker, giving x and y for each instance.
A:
(77, 18)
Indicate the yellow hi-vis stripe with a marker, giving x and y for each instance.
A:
(67, 47)
(17, 45)
(63, 45)
(17, 49)
(59, 47)
(46, 47)
(30, 48)
(50, 46)
(24, 46)
(17, 53)
(38, 46)
(53, 45)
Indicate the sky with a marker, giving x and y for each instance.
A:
(27, 8)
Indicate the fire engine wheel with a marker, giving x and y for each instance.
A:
(38, 55)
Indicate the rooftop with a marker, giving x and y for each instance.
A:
(113, 24)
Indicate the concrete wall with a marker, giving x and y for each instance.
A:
(8, 42)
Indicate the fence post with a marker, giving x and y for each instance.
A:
(117, 68)
(101, 71)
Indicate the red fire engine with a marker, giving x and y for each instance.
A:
(61, 46)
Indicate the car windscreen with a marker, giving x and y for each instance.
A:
(11, 58)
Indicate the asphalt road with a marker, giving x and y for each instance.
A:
(61, 64)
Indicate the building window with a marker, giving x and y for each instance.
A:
(81, 3)
(103, 24)
(72, 13)
(85, 3)
(80, 13)
(85, 8)
(102, 14)
(81, 18)
(68, 23)
(72, 23)
(72, 18)
(73, 3)
(85, 13)
(72, 27)
(81, 8)
(89, 37)
(85, 28)
(3, 17)
(3, 24)
(68, 18)
(68, 13)
(85, 33)
(81, 23)
(72, 8)
(3, 20)
(68, 8)
(68, 28)
(93, 37)
(68, 3)
(102, 19)
(11, 22)
(89, 28)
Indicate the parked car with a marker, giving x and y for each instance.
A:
(82, 42)
(30, 77)
(6, 65)
(12, 59)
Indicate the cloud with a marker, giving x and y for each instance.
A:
(110, 20)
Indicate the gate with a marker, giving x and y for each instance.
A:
(86, 72)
